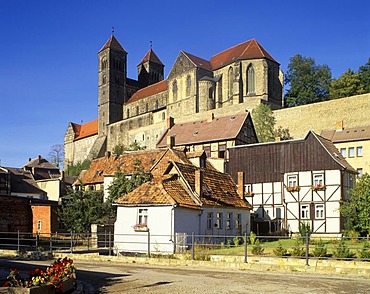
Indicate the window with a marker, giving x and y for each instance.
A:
(221, 151)
(137, 110)
(231, 81)
(359, 151)
(207, 150)
(146, 107)
(238, 221)
(143, 216)
(174, 90)
(247, 188)
(156, 104)
(209, 220)
(305, 211)
(319, 211)
(39, 225)
(104, 79)
(351, 152)
(251, 82)
(128, 113)
(219, 220)
(229, 221)
(343, 151)
(359, 172)
(318, 180)
(292, 181)
(188, 85)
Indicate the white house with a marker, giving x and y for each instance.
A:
(292, 182)
(185, 200)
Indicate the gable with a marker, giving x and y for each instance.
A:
(181, 65)
(268, 162)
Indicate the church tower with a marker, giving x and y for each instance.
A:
(111, 83)
(150, 70)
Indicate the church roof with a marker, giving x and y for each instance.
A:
(85, 130)
(151, 56)
(148, 91)
(248, 50)
(200, 62)
(113, 44)
(222, 128)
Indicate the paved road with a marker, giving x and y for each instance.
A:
(108, 277)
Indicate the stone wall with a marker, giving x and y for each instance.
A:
(353, 111)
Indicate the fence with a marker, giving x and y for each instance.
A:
(196, 247)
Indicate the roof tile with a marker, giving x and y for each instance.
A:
(148, 91)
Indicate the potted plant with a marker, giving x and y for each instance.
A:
(140, 228)
(293, 188)
(318, 187)
(60, 277)
(249, 194)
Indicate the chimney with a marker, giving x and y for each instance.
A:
(39, 158)
(62, 175)
(199, 182)
(170, 141)
(210, 117)
(339, 126)
(107, 154)
(170, 122)
(241, 184)
(29, 159)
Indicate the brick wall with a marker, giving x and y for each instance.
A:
(15, 214)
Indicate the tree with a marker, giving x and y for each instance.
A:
(77, 168)
(134, 146)
(348, 84)
(264, 122)
(56, 154)
(80, 209)
(364, 74)
(282, 133)
(124, 183)
(308, 82)
(356, 210)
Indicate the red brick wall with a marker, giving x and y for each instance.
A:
(15, 214)
(47, 215)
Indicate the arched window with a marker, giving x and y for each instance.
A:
(137, 110)
(128, 113)
(103, 63)
(104, 79)
(156, 104)
(210, 93)
(231, 80)
(163, 116)
(251, 81)
(188, 85)
(174, 90)
(146, 107)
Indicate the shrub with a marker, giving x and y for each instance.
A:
(342, 251)
(365, 251)
(297, 249)
(280, 250)
(320, 249)
(305, 228)
(257, 248)
(238, 241)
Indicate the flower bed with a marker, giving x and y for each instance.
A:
(318, 188)
(140, 228)
(60, 277)
(293, 189)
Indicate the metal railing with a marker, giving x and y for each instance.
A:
(195, 247)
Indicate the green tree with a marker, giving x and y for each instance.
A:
(76, 169)
(282, 133)
(308, 82)
(356, 210)
(124, 183)
(364, 74)
(134, 146)
(56, 154)
(348, 84)
(80, 209)
(264, 122)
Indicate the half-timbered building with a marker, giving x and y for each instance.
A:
(292, 182)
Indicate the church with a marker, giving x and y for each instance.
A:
(143, 110)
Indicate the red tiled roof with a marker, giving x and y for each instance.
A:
(148, 91)
(151, 56)
(222, 128)
(200, 62)
(219, 190)
(247, 50)
(86, 130)
(114, 44)
(348, 134)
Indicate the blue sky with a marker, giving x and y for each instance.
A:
(48, 63)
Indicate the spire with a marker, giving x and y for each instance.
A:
(150, 56)
(113, 44)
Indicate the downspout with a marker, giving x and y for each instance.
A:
(172, 227)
